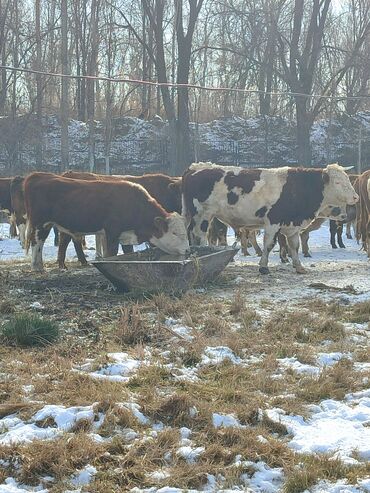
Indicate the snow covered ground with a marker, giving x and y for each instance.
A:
(339, 427)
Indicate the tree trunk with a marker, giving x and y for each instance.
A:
(91, 86)
(64, 100)
(182, 143)
(304, 124)
(38, 86)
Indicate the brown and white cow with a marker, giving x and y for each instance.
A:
(363, 217)
(166, 190)
(20, 216)
(282, 200)
(122, 210)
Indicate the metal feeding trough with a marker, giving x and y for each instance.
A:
(152, 270)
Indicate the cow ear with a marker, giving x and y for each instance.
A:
(160, 223)
(325, 177)
(176, 185)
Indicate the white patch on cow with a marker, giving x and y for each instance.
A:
(22, 234)
(175, 240)
(265, 193)
(101, 246)
(339, 192)
(128, 238)
(36, 262)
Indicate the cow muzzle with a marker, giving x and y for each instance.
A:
(356, 198)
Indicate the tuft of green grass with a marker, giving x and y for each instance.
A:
(28, 330)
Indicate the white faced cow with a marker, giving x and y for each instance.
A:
(279, 199)
(122, 210)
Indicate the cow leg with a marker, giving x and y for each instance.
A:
(293, 244)
(13, 226)
(198, 231)
(243, 234)
(22, 234)
(339, 235)
(283, 248)
(56, 236)
(78, 244)
(64, 241)
(305, 235)
(112, 244)
(269, 241)
(333, 232)
(37, 242)
(101, 245)
(253, 240)
(348, 230)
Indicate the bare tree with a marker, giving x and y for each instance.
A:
(39, 88)
(64, 99)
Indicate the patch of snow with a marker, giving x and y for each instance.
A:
(178, 328)
(159, 475)
(218, 354)
(188, 374)
(84, 476)
(13, 430)
(298, 367)
(185, 432)
(265, 479)
(225, 421)
(12, 486)
(119, 371)
(330, 359)
(341, 486)
(189, 453)
(65, 418)
(335, 427)
(135, 409)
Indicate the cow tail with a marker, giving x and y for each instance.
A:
(361, 220)
(28, 235)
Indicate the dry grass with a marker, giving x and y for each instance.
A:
(359, 313)
(58, 458)
(245, 391)
(334, 382)
(131, 328)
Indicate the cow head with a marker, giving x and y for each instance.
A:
(338, 193)
(171, 234)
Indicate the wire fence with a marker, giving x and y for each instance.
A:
(135, 156)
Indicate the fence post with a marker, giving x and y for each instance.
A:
(359, 155)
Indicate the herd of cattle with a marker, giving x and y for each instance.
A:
(171, 212)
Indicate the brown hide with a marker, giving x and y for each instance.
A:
(166, 190)
(82, 207)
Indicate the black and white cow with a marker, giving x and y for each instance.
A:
(282, 200)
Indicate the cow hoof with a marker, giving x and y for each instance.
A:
(264, 270)
(300, 270)
(349, 237)
(342, 246)
(307, 255)
(334, 247)
(284, 261)
(246, 254)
